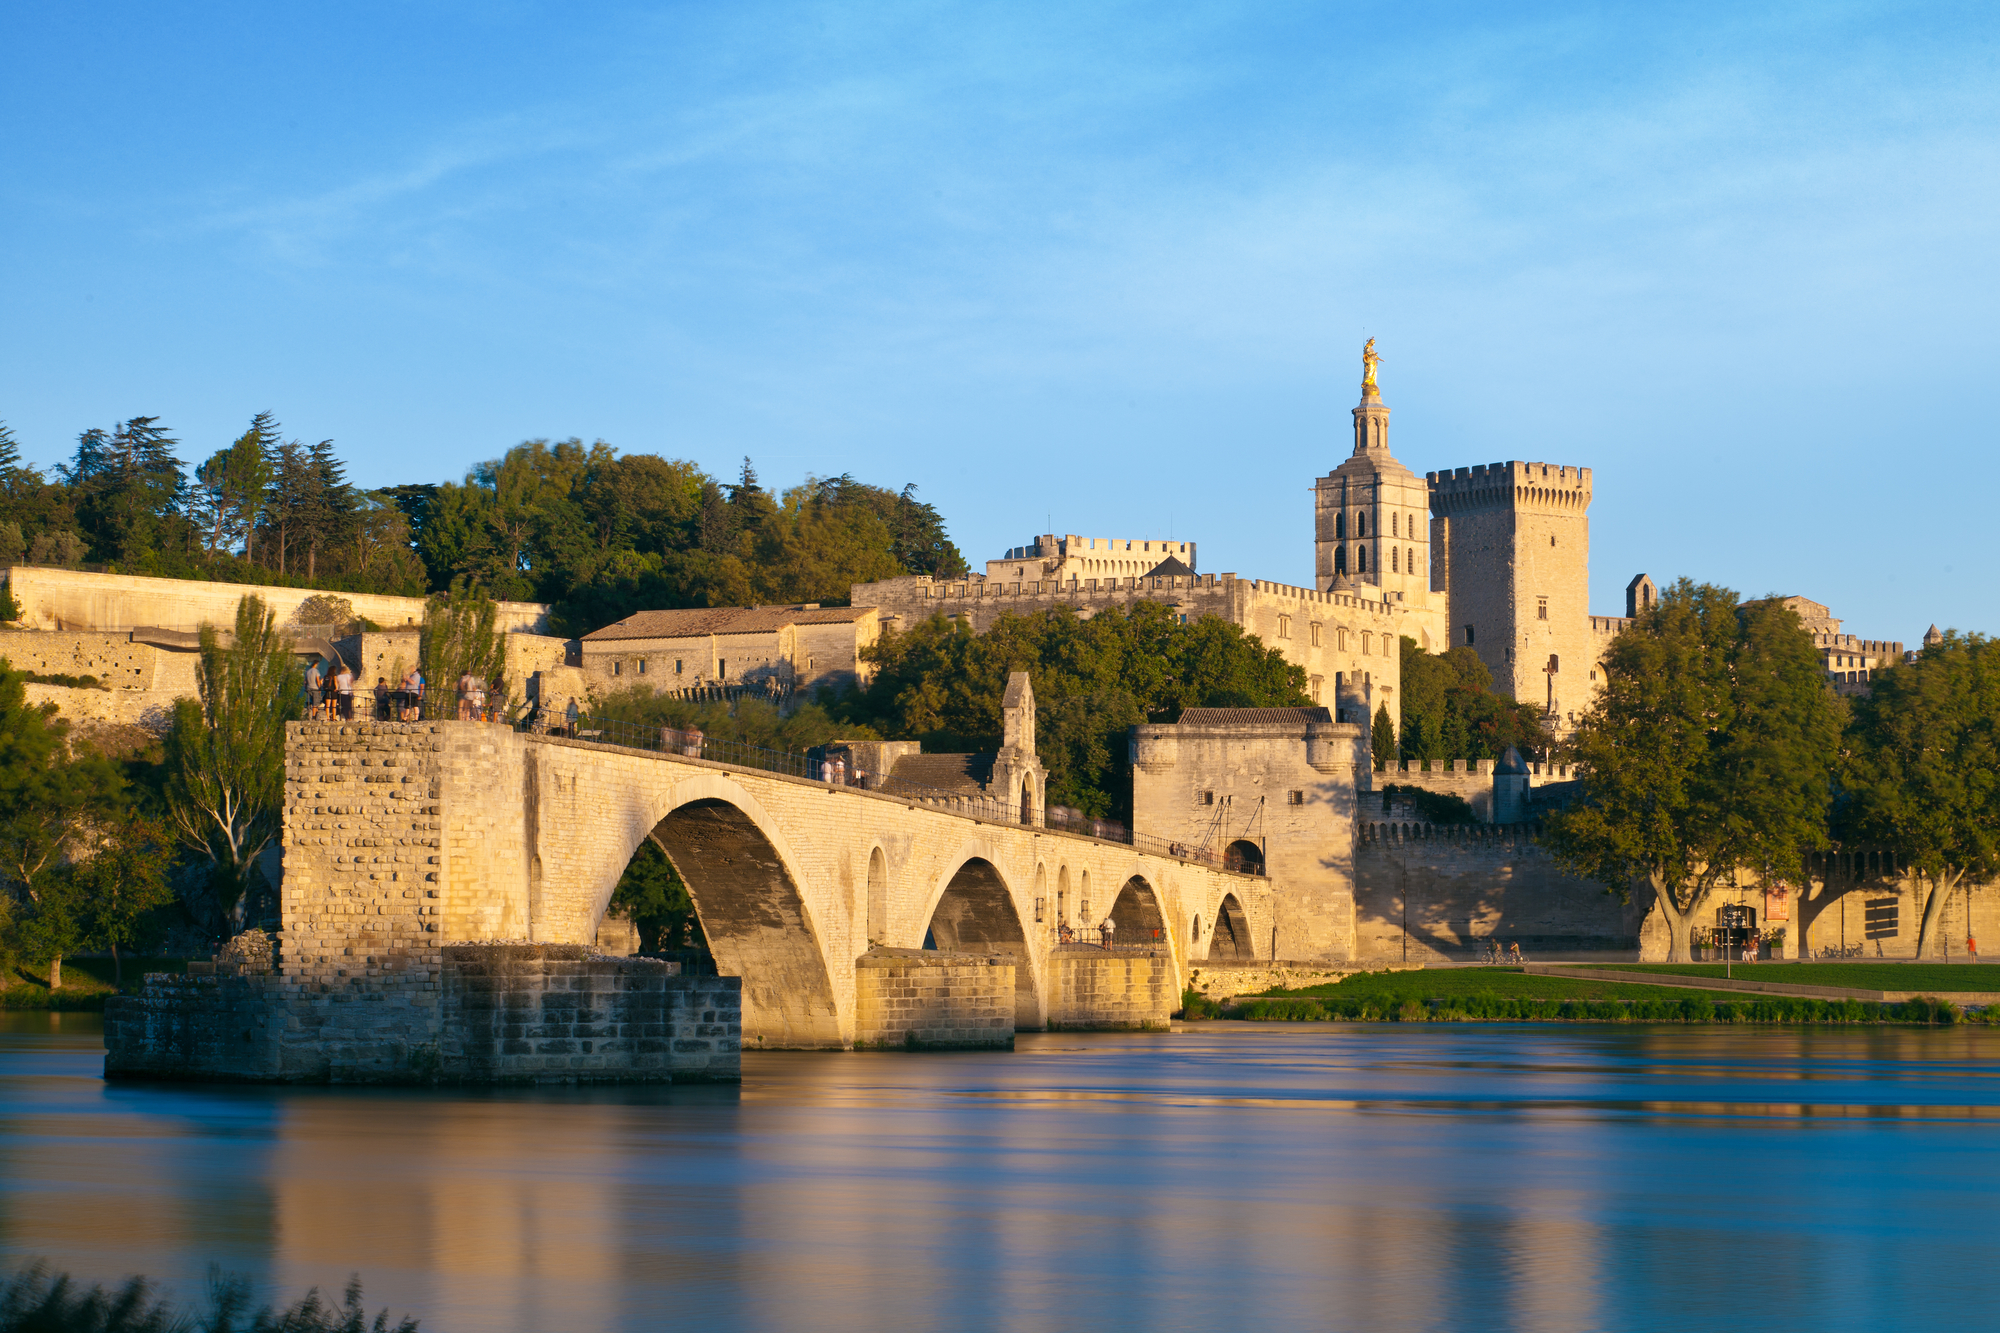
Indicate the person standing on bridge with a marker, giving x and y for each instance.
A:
(343, 686)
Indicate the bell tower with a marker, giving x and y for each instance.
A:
(1372, 514)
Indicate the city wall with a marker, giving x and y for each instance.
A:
(1347, 645)
(68, 599)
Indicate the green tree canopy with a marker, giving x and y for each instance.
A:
(1094, 679)
(1923, 772)
(225, 757)
(1451, 712)
(1710, 751)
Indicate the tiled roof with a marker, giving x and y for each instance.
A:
(948, 772)
(699, 620)
(1236, 717)
(1171, 567)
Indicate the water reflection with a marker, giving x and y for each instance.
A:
(1375, 1177)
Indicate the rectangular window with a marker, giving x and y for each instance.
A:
(1208, 798)
(617, 668)
(1284, 627)
(642, 666)
(721, 667)
(677, 666)
(1468, 636)
(1295, 798)
(1367, 643)
(1038, 908)
(1315, 634)
(1541, 608)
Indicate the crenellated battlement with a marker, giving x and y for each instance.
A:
(1512, 485)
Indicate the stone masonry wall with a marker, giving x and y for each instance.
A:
(1431, 893)
(911, 998)
(1095, 988)
(364, 849)
(493, 1014)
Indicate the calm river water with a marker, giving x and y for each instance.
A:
(1229, 1177)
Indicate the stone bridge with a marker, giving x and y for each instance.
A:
(404, 838)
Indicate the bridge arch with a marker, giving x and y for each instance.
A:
(1136, 917)
(760, 926)
(1229, 936)
(975, 910)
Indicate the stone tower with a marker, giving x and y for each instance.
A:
(1511, 542)
(1372, 517)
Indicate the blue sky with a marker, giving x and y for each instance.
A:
(1095, 268)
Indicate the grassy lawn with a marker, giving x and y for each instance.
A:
(1499, 994)
(86, 982)
(1396, 987)
(1931, 978)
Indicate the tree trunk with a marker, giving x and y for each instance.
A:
(55, 974)
(1680, 922)
(1941, 887)
(117, 969)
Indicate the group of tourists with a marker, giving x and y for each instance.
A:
(836, 773)
(330, 695)
(481, 700)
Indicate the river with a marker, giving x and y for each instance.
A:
(1228, 1177)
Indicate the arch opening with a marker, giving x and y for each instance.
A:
(975, 914)
(1135, 916)
(754, 919)
(1244, 857)
(877, 925)
(1230, 936)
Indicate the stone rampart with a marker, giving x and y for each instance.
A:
(71, 599)
(484, 1014)
(1442, 893)
(920, 999)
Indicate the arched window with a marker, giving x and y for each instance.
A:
(1395, 560)
(1340, 527)
(1395, 525)
(1361, 524)
(1340, 559)
(1361, 559)
(1411, 565)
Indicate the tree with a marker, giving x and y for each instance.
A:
(1451, 712)
(109, 893)
(655, 899)
(1382, 739)
(225, 756)
(1923, 771)
(50, 801)
(231, 486)
(1094, 680)
(128, 488)
(1709, 751)
(458, 637)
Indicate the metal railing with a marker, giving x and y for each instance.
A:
(1110, 941)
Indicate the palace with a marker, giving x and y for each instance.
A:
(1494, 556)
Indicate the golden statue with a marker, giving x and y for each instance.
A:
(1368, 363)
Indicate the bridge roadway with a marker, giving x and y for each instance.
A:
(401, 837)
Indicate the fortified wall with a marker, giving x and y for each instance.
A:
(1346, 643)
(69, 599)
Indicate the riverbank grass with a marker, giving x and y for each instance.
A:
(1509, 995)
(1937, 978)
(86, 983)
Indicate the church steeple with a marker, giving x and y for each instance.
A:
(1371, 419)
